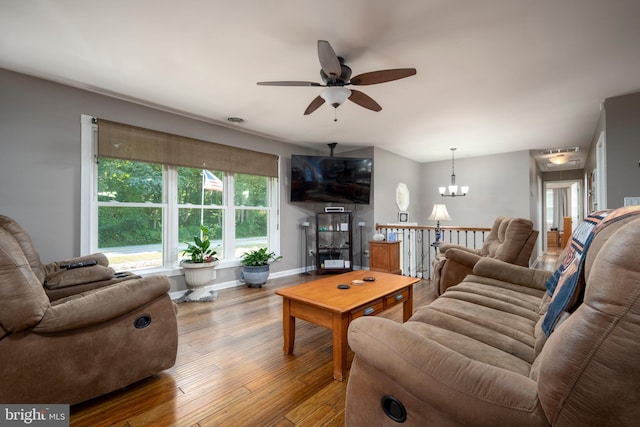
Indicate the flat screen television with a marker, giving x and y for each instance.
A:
(325, 179)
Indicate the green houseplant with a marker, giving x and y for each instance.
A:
(255, 266)
(200, 251)
(199, 265)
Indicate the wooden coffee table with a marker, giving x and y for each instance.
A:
(321, 302)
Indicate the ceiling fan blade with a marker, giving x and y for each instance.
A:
(364, 100)
(328, 59)
(317, 102)
(289, 83)
(382, 76)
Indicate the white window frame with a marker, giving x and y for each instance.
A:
(89, 208)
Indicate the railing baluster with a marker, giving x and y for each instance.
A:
(414, 251)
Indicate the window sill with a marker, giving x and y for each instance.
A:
(177, 271)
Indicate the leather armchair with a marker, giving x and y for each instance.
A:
(103, 335)
(510, 240)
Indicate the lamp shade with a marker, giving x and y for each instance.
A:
(335, 95)
(439, 213)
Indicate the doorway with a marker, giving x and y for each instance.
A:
(563, 210)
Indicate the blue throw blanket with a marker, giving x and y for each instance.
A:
(566, 285)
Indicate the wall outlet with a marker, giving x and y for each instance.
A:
(366, 253)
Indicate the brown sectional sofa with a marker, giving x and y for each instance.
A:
(478, 356)
(68, 335)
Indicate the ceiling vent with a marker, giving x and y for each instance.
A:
(560, 151)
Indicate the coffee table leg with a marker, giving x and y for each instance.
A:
(288, 326)
(340, 345)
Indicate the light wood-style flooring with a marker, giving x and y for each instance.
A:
(231, 370)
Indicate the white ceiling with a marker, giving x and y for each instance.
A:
(493, 76)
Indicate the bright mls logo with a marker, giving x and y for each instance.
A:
(34, 415)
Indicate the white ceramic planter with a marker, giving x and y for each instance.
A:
(198, 275)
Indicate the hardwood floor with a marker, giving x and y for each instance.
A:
(548, 260)
(231, 370)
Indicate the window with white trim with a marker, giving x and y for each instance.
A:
(141, 214)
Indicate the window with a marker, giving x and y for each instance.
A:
(130, 213)
(251, 199)
(141, 214)
(200, 201)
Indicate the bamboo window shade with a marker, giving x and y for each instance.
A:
(126, 142)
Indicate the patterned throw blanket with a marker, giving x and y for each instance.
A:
(566, 285)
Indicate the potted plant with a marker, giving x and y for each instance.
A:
(255, 266)
(199, 264)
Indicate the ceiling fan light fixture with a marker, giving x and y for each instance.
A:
(335, 95)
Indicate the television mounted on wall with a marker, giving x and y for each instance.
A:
(328, 179)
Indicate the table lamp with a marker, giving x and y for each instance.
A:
(439, 213)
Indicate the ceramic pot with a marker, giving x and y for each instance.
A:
(255, 276)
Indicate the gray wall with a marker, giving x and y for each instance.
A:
(622, 148)
(40, 162)
(499, 185)
(391, 170)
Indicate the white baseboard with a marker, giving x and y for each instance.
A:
(233, 283)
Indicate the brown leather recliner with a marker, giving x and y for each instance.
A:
(94, 334)
(510, 240)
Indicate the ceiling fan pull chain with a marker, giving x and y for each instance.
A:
(335, 114)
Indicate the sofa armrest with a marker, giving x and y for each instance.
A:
(77, 276)
(457, 265)
(463, 256)
(444, 247)
(93, 259)
(500, 270)
(99, 258)
(446, 379)
(101, 305)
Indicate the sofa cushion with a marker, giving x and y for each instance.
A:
(486, 320)
(512, 236)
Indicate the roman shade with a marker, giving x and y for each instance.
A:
(126, 142)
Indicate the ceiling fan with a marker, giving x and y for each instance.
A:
(336, 75)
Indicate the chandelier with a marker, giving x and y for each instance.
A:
(453, 188)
